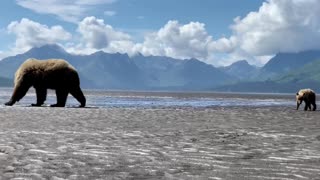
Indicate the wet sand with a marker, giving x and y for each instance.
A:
(168, 143)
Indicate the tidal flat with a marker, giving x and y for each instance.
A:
(233, 142)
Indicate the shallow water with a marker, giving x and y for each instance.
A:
(100, 98)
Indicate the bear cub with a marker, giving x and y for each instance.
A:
(309, 97)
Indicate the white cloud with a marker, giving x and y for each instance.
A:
(223, 45)
(70, 11)
(279, 26)
(182, 41)
(178, 41)
(96, 35)
(175, 40)
(31, 34)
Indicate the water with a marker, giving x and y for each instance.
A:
(128, 99)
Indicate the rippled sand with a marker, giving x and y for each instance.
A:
(183, 143)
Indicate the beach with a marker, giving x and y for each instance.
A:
(240, 142)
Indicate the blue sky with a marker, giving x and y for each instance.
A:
(217, 32)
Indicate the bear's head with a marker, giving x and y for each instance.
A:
(299, 98)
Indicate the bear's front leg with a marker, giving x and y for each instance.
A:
(19, 92)
(298, 105)
(9, 103)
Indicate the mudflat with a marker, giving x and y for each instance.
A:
(159, 143)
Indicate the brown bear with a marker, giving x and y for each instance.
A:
(55, 74)
(309, 97)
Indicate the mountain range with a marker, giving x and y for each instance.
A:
(102, 70)
(285, 72)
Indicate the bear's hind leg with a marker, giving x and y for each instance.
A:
(78, 94)
(61, 98)
(41, 96)
(314, 106)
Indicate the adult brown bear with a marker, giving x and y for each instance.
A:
(55, 74)
(309, 97)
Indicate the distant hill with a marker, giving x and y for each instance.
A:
(286, 72)
(119, 71)
(5, 82)
(9, 65)
(242, 70)
(307, 73)
(285, 62)
(168, 73)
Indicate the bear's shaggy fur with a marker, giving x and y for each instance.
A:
(55, 74)
(309, 97)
